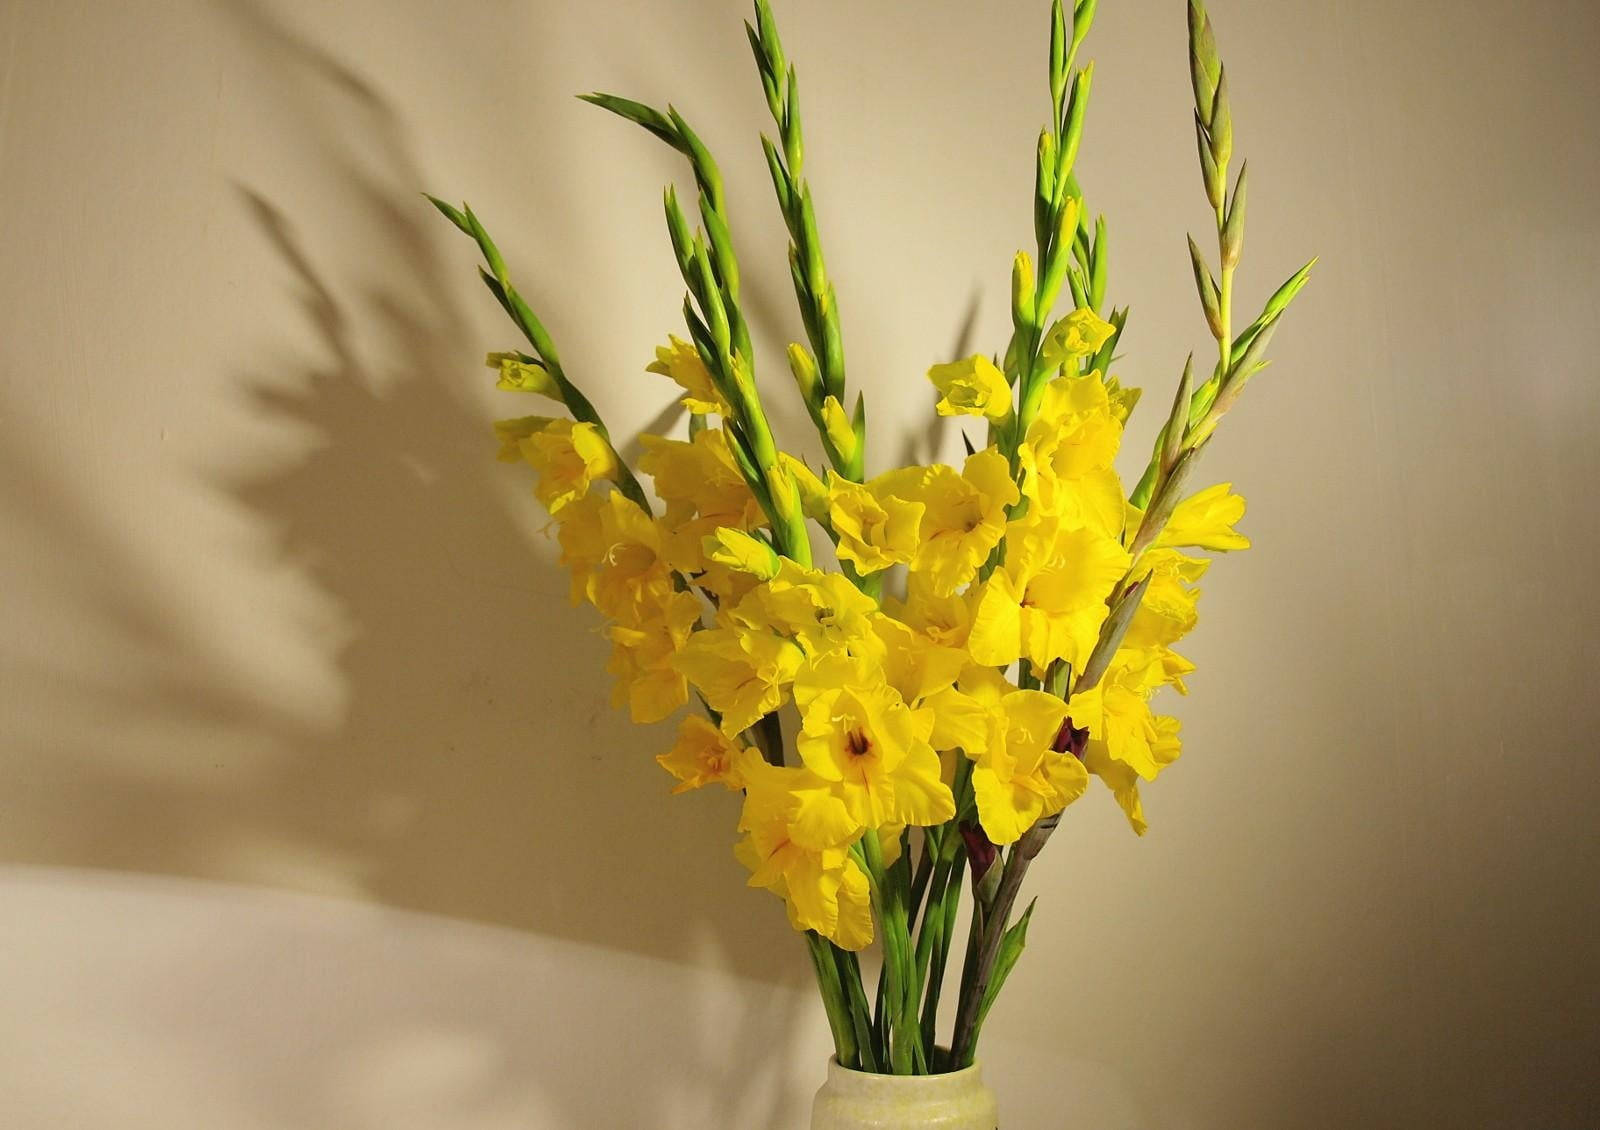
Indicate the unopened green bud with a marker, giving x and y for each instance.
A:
(836, 426)
(1060, 257)
(1024, 291)
(805, 373)
(1059, 36)
(1204, 66)
(741, 552)
(1210, 300)
(1221, 123)
(1233, 227)
(1099, 265)
(1285, 294)
(1072, 128)
(1212, 175)
(1178, 422)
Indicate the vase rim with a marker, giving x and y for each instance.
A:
(972, 1071)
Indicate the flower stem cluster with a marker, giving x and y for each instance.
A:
(986, 638)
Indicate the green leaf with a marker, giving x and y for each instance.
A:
(1014, 941)
(638, 113)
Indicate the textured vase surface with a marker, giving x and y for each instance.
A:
(859, 1100)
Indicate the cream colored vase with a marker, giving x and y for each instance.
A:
(858, 1100)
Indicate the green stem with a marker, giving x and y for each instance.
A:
(860, 1017)
(833, 999)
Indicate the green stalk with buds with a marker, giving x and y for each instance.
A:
(819, 373)
(716, 321)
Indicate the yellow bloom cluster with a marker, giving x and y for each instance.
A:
(905, 677)
(1006, 561)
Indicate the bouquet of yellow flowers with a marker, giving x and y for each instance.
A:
(913, 715)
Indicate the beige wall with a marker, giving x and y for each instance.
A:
(318, 814)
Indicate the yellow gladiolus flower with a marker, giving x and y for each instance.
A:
(963, 517)
(821, 612)
(875, 530)
(973, 387)
(1019, 778)
(681, 361)
(569, 456)
(1120, 777)
(641, 659)
(1068, 454)
(1117, 713)
(702, 756)
(945, 620)
(796, 844)
(1047, 601)
(1167, 612)
(1079, 334)
(742, 674)
(520, 375)
(858, 734)
(1205, 521)
(1123, 400)
(914, 665)
(614, 551)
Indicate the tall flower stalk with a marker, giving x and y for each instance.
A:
(988, 637)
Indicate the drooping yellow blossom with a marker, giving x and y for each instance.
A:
(963, 517)
(1167, 612)
(702, 756)
(568, 456)
(973, 387)
(520, 373)
(1047, 601)
(742, 674)
(1080, 334)
(614, 551)
(681, 361)
(641, 658)
(1205, 521)
(1121, 779)
(875, 530)
(1117, 713)
(1018, 777)
(857, 733)
(796, 844)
